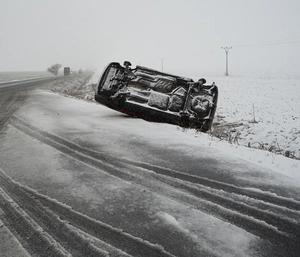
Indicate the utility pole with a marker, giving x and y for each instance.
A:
(226, 48)
(162, 63)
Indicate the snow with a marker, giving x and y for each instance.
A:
(9, 245)
(266, 112)
(242, 100)
(200, 228)
(169, 219)
(257, 119)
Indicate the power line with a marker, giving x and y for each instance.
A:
(190, 55)
(226, 48)
(278, 42)
(183, 57)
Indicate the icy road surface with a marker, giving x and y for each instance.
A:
(79, 179)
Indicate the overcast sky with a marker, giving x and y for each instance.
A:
(187, 34)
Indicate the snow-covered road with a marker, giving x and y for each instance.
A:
(75, 171)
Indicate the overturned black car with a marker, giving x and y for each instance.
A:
(157, 96)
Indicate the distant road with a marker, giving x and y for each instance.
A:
(25, 84)
(11, 95)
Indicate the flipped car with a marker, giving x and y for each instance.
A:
(157, 96)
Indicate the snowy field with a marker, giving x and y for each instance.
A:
(257, 118)
(260, 113)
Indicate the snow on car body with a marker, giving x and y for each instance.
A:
(157, 96)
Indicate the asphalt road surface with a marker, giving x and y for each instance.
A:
(71, 185)
(26, 84)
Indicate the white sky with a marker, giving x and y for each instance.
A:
(265, 34)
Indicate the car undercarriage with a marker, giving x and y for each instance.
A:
(157, 96)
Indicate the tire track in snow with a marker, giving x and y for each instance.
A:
(73, 230)
(257, 212)
(27, 231)
(117, 161)
(11, 103)
(47, 224)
